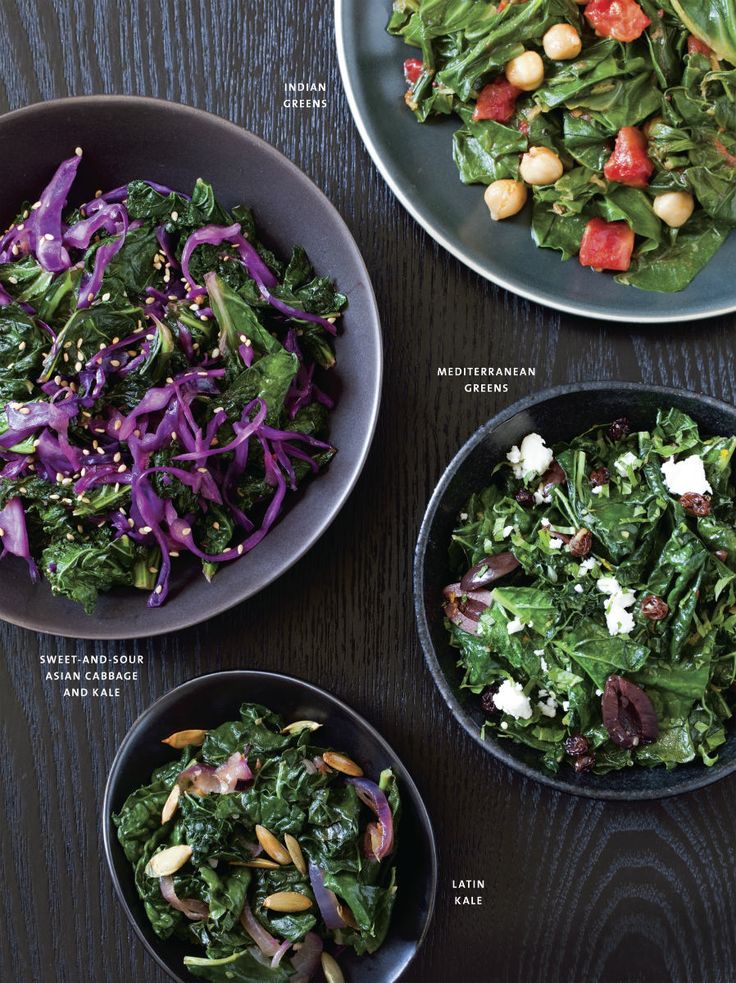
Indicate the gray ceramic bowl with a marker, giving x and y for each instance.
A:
(557, 414)
(213, 699)
(416, 161)
(124, 138)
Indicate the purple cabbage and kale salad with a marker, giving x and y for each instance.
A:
(159, 373)
(595, 601)
(271, 853)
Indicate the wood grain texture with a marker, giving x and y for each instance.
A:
(575, 890)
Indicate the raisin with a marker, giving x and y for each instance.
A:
(487, 570)
(575, 745)
(581, 543)
(654, 608)
(695, 504)
(524, 498)
(599, 478)
(628, 714)
(722, 555)
(583, 763)
(619, 429)
(486, 701)
(554, 475)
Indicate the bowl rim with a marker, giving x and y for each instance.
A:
(492, 746)
(24, 619)
(435, 230)
(170, 698)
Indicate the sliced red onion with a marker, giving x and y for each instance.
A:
(305, 959)
(195, 911)
(326, 900)
(206, 779)
(200, 778)
(268, 945)
(233, 771)
(380, 837)
(280, 953)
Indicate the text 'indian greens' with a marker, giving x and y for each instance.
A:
(268, 851)
(160, 384)
(618, 115)
(595, 601)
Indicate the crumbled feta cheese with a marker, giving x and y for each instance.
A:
(543, 664)
(540, 499)
(545, 522)
(542, 692)
(578, 588)
(555, 543)
(548, 708)
(627, 462)
(599, 692)
(598, 490)
(512, 700)
(565, 705)
(513, 626)
(618, 620)
(504, 725)
(464, 516)
(685, 476)
(532, 458)
(506, 532)
(586, 566)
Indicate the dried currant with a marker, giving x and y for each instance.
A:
(486, 701)
(583, 763)
(722, 555)
(554, 475)
(464, 608)
(619, 429)
(599, 477)
(487, 570)
(524, 497)
(628, 714)
(575, 745)
(581, 543)
(654, 608)
(695, 503)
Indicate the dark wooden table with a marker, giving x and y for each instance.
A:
(575, 890)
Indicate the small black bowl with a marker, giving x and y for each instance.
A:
(125, 137)
(557, 414)
(208, 701)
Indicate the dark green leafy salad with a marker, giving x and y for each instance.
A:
(619, 115)
(595, 606)
(269, 852)
(159, 393)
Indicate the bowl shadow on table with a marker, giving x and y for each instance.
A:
(558, 414)
(209, 700)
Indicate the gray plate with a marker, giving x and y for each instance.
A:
(124, 138)
(416, 161)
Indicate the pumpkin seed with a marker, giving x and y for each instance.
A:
(171, 804)
(295, 852)
(260, 863)
(342, 764)
(299, 725)
(272, 846)
(333, 973)
(168, 861)
(185, 738)
(287, 901)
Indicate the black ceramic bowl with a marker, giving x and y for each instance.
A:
(124, 138)
(211, 700)
(557, 414)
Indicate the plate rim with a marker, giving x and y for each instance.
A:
(560, 305)
(96, 632)
(494, 747)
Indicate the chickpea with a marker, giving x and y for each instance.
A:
(505, 198)
(674, 207)
(540, 166)
(526, 71)
(562, 43)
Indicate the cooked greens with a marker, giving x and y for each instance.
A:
(638, 111)
(263, 849)
(159, 373)
(595, 602)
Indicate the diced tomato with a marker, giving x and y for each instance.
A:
(607, 245)
(413, 68)
(629, 163)
(623, 20)
(697, 47)
(497, 101)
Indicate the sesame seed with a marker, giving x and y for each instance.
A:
(117, 425)
(35, 206)
(115, 362)
(240, 549)
(122, 468)
(2, 532)
(77, 366)
(22, 346)
(12, 279)
(48, 237)
(24, 410)
(70, 537)
(105, 298)
(186, 532)
(117, 457)
(150, 300)
(144, 530)
(174, 216)
(215, 525)
(78, 151)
